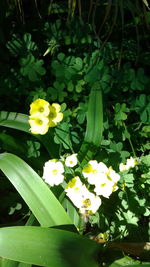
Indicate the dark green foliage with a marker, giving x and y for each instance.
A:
(62, 55)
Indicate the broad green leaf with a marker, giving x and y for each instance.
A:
(9, 263)
(94, 127)
(129, 262)
(34, 191)
(94, 117)
(47, 247)
(19, 121)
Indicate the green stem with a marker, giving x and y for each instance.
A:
(129, 139)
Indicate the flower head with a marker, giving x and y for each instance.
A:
(90, 203)
(86, 201)
(93, 171)
(55, 115)
(39, 124)
(40, 106)
(122, 167)
(104, 189)
(112, 175)
(131, 163)
(71, 160)
(43, 115)
(53, 172)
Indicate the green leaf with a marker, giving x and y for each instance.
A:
(78, 64)
(14, 120)
(71, 210)
(47, 247)
(94, 129)
(146, 160)
(129, 262)
(62, 135)
(34, 191)
(32, 68)
(8, 263)
(9, 143)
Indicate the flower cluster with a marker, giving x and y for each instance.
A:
(82, 198)
(53, 173)
(85, 192)
(43, 115)
(104, 179)
(131, 163)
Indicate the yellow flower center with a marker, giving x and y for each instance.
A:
(52, 115)
(55, 171)
(39, 122)
(41, 109)
(94, 171)
(102, 185)
(88, 169)
(72, 183)
(86, 203)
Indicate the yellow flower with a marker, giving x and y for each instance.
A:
(39, 124)
(55, 115)
(40, 106)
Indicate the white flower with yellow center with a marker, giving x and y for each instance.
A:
(39, 124)
(104, 189)
(40, 106)
(93, 171)
(55, 115)
(53, 172)
(122, 167)
(90, 203)
(131, 163)
(74, 191)
(112, 175)
(85, 201)
(103, 167)
(71, 160)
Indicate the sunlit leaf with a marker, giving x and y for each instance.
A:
(47, 247)
(34, 191)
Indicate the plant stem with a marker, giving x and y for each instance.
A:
(129, 139)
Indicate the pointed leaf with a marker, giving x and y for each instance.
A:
(94, 127)
(34, 191)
